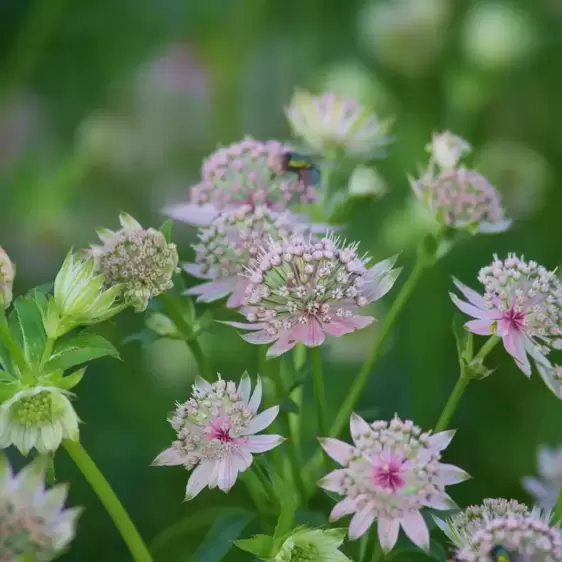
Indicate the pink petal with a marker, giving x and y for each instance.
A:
(514, 344)
(548, 375)
(286, 342)
(263, 443)
(541, 491)
(341, 452)
(213, 290)
(345, 507)
(440, 501)
(381, 286)
(414, 526)
(243, 459)
(449, 474)
(358, 322)
(198, 479)
(196, 270)
(259, 337)
(227, 473)
(238, 294)
(440, 441)
(333, 480)
(245, 387)
(472, 296)
(479, 327)
(336, 328)
(168, 457)
(474, 311)
(358, 427)
(191, 213)
(255, 400)
(201, 384)
(361, 522)
(388, 533)
(381, 268)
(310, 333)
(243, 325)
(261, 421)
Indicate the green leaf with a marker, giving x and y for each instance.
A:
(289, 405)
(80, 349)
(8, 389)
(221, 537)
(166, 229)
(260, 546)
(30, 326)
(287, 501)
(70, 381)
(463, 339)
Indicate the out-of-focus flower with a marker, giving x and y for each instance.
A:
(522, 304)
(34, 525)
(217, 430)
(161, 324)
(229, 246)
(546, 489)
(79, 297)
(405, 35)
(39, 417)
(391, 473)
(249, 172)
(7, 275)
(460, 527)
(498, 34)
(458, 197)
(366, 181)
(520, 173)
(301, 290)
(529, 538)
(139, 260)
(313, 545)
(331, 122)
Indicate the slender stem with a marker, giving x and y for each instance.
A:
(558, 509)
(319, 390)
(175, 313)
(111, 502)
(487, 347)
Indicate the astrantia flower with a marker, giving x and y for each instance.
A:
(33, 522)
(216, 431)
(528, 537)
(229, 246)
(522, 304)
(302, 290)
(447, 149)
(7, 274)
(332, 122)
(391, 473)
(546, 489)
(39, 417)
(140, 260)
(460, 527)
(313, 545)
(249, 172)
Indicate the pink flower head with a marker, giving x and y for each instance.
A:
(522, 304)
(216, 433)
(230, 245)
(461, 198)
(302, 289)
(249, 172)
(391, 473)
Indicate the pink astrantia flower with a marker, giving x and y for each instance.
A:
(302, 289)
(546, 489)
(216, 431)
(522, 304)
(230, 245)
(249, 172)
(391, 473)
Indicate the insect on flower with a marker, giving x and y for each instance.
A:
(302, 165)
(501, 554)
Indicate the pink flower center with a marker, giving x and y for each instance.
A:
(219, 429)
(388, 474)
(514, 319)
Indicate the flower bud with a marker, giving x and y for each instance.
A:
(7, 274)
(366, 181)
(312, 545)
(161, 325)
(447, 149)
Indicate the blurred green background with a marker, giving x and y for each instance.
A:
(108, 106)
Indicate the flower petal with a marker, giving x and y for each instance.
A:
(238, 294)
(440, 441)
(361, 522)
(473, 311)
(449, 474)
(358, 427)
(202, 385)
(333, 480)
(198, 479)
(262, 443)
(195, 270)
(310, 333)
(338, 450)
(414, 526)
(440, 501)
(472, 296)
(514, 344)
(259, 337)
(286, 342)
(261, 421)
(244, 387)
(191, 213)
(213, 290)
(336, 328)
(388, 533)
(345, 507)
(479, 327)
(243, 325)
(169, 457)
(227, 473)
(255, 400)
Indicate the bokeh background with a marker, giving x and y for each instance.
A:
(109, 106)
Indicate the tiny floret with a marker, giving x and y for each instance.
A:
(138, 260)
(331, 122)
(312, 545)
(216, 433)
(230, 245)
(547, 488)
(391, 473)
(34, 525)
(39, 417)
(522, 303)
(302, 289)
(7, 274)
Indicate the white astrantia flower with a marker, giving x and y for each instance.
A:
(447, 149)
(391, 473)
(312, 545)
(34, 525)
(216, 433)
(546, 489)
(7, 274)
(332, 122)
(39, 417)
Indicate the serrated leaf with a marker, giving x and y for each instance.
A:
(259, 545)
(80, 349)
(70, 381)
(30, 327)
(166, 229)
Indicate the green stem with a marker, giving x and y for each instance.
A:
(176, 314)
(107, 496)
(16, 353)
(319, 390)
(256, 489)
(558, 509)
(486, 348)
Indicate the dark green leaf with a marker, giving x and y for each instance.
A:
(289, 405)
(166, 229)
(80, 349)
(70, 381)
(30, 328)
(260, 546)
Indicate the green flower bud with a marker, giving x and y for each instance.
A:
(312, 545)
(7, 274)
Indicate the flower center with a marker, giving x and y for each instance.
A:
(33, 410)
(515, 319)
(219, 429)
(389, 474)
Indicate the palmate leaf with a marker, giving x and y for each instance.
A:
(26, 325)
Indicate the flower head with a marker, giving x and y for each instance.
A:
(312, 545)
(302, 289)
(39, 417)
(7, 274)
(249, 172)
(546, 489)
(139, 260)
(460, 527)
(522, 304)
(447, 149)
(529, 537)
(216, 433)
(331, 122)
(33, 522)
(391, 473)
(230, 245)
